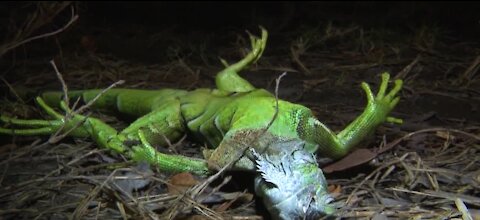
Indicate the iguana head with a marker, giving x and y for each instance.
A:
(292, 185)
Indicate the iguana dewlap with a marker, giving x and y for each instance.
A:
(239, 122)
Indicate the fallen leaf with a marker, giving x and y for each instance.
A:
(335, 189)
(241, 197)
(355, 158)
(179, 183)
(194, 217)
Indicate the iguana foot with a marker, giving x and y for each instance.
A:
(228, 79)
(43, 127)
(71, 124)
(375, 113)
(383, 104)
(258, 46)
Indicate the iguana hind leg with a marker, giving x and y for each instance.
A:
(132, 141)
(228, 79)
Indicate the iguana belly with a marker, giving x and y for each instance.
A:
(210, 116)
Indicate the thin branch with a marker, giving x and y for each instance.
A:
(69, 113)
(277, 85)
(408, 68)
(62, 81)
(91, 102)
(70, 22)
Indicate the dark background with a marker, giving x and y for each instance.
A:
(459, 19)
(460, 16)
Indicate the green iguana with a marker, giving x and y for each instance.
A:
(240, 123)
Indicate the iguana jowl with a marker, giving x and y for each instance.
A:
(276, 139)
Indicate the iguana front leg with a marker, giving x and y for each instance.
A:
(134, 141)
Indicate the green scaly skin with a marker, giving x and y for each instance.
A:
(230, 119)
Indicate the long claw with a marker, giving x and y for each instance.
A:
(23, 122)
(396, 89)
(27, 132)
(394, 102)
(394, 120)
(253, 39)
(258, 44)
(383, 85)
(224, 62)
(49, 110)
(382, 104)
(64, 107)
(263, 42)
(368, 92)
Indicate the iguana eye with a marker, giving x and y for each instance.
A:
(329, 200)
(301, 155)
